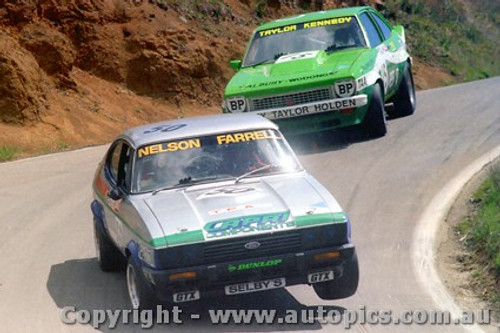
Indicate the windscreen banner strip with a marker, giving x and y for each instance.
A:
(304, 25)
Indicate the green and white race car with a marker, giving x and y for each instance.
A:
(325, 70)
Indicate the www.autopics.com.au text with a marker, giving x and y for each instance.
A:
(346, 318)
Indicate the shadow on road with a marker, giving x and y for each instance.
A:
(82, 285)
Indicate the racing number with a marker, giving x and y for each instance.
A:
(165, 128)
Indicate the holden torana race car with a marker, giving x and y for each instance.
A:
(325, 70)
(216, 204)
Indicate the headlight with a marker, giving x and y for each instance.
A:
(236, 104)
(345, 88)
(147, 255)
(320, 237)
(180, 256)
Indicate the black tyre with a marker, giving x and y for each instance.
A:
(108, 256)
(374, 123)
(140, 293)
(405, 101)
(342, 287)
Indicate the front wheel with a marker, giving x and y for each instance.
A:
(342, 287)
(140, 294)
(374, 123)
(108, 256)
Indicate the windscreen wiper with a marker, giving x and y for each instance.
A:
(276, 57)
(251, 172)
(335, 47)
(182, 182)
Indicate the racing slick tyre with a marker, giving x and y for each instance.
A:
(108, 256)
(342, 287)
(374, 123)
(405, 101)
(140, 293)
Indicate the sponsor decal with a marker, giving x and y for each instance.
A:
(305, 25)
(320, 276)
(275, 31)
(256, 264)
(361, 82)
(327, 22)
(248, 224)
(186, 296)
(246, 136)
(168, 147)
(292, 80)
(332, 105)
(320, 204)
(345, 88)
(231, 209)
(312, 77)
(101, 186)
(236, 104)
(250, 287)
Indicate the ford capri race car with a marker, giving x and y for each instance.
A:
(325, 70)
(216, 204)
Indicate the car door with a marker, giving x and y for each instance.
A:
(383, 65)
(392, 46)
(117, 174)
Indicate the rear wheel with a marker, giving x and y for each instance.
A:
(140, 294)
(374, 123)
(342, 287)
(405, 101)
(108, 256)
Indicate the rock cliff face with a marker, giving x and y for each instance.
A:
(153, 48)
(78, 72)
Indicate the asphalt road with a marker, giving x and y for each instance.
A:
(48, 261)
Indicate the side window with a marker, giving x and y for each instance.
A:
(113, 161)
(118, 164)
(386, 30)
(125, 166)
(371, 30)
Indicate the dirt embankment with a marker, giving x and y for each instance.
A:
(75, 73)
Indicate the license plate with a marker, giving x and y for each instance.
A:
(320, 277)
(186, 296)
(250, 287)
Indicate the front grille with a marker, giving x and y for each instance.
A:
(286, 100)
(283, 242)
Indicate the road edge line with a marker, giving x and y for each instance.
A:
(424, 239)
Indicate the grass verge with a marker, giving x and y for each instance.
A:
(481, 232)
(8, 153)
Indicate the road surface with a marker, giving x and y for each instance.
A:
(48, 259)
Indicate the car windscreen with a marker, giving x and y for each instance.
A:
(211, 158)
(330, 35)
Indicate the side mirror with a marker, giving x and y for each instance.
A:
(115, 194)
(235, 64)
(400, 30)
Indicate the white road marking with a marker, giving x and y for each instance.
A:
(424, 241)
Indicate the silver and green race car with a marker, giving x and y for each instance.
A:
(217, 204)
(325, 70)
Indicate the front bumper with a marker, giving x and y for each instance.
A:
(294, 267)
(315, 108)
